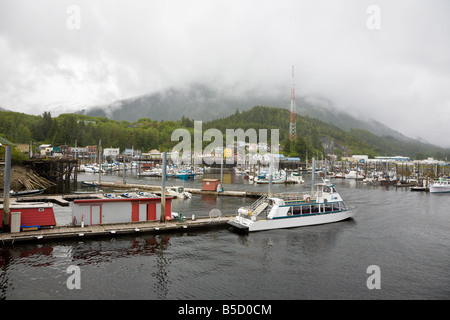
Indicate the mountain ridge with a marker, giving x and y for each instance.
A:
(202, 102)
(314, 136)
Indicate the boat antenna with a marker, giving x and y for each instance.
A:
(313, 174)
(270, 176)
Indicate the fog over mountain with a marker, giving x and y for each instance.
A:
(201, 102)
(384, 60)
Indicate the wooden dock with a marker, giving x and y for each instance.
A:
(110, 184)
(109, 230)
(65, 199)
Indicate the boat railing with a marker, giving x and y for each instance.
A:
(291, 196)
(257, 203)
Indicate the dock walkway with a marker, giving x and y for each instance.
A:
(133, 228)
(191, 190)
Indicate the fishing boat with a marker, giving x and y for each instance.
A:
(340, 175)
(354, 174)
(440, 186)
(324, 205)
(295, 178)
(26, 192)
(351, 175)
(278, 177)
(178, 192)
(154, 172)
(184, 174)
(419, 188)
(89, 183)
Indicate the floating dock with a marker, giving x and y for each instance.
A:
(135, 228)
(64, 200)
(113, 229)
(191, 190)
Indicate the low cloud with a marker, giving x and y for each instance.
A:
(398, 74)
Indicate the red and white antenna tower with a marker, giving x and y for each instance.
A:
(292, 120)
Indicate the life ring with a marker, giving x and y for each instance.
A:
(308, 199)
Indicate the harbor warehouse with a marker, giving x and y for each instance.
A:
(104, 211)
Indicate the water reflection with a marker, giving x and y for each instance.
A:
(162, 266)
(393, 228)
(84, 254)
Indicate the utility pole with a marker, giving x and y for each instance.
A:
(7, 185)
(100, 166)
(163, 187)
(292, 117)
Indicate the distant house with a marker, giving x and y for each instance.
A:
(46, 150)
(152, 155)
(78, 152)
(64, 149)
(23, 147)
(111, 152)
(91, 151)
(132, 153)
(392, 158)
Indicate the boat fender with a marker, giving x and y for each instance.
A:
(308, 199)
(249, 213)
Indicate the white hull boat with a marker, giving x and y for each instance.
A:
(440, 186)
(354, 175)
(325, 205)
(178, 192)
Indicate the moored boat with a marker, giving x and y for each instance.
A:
(278, 177)
(26, 192)
(89, 183)
(439, 186)
(350, 175)
(178, 192)
(324, 205)
(295, 178)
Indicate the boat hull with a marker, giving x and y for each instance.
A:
(439, 189)
(291, 221)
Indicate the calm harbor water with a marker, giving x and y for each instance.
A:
(406, 234)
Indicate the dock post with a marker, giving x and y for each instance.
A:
(7, 186)
(163, 187)
(221, 170)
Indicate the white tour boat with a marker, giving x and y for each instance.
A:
(441, 185)
(324, 205)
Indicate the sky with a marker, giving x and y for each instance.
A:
(380, 59)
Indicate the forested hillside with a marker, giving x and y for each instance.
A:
(314, 137)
